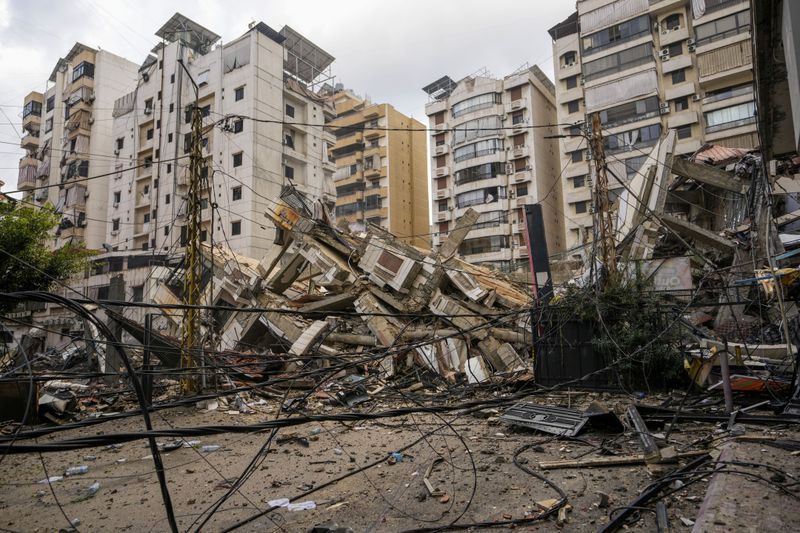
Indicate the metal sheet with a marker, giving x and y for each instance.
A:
(554, 420)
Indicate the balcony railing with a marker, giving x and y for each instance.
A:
(730, 125)
(716, 5)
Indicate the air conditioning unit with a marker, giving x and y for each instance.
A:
(148, 110)
(570, 64)
(441, 172)
(691, 42)
(116, 151)
(115, 232)
(691, 47)
(91, 120)
(509, 168)
(91, 98)
(583, 80)
(663, 108)
(145, 76)
(441, 194)
(516, 104)
(696, 98)
(116, 204)
(664, 54)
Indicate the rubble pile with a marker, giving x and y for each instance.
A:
(367, 301)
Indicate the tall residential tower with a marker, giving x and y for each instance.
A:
(646, 66)
(492, 149)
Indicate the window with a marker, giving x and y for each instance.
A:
(350, 188)
(681, 104)
(84, 68)
(48, 124)
(290, 110)
(146, 190)
(576, 156)
(481, 196)
(236, 193)
(482, 101)
(237, 159)
(517, 118)
(169, 137)
(728, 92)
(158, 124)
(166, 230)
(482, 245)
(675, 49)
(730, 117)
(619, 61)
(580, 207)
(353, 169)
(171, 107)
(83, 169)
(571, 82)
(120, 142)
(236, 227)
(167, 199)
(723, 27)
(146, 218)
(684, 132)
(578, 182)
(672, 22)
(288, 140)
(478, 173)
(51, 103)
(203, 235)
(442, 205)
(629, 112)
(238, 125)
(482, 127)
(238, 93)
(522, 190)
(480, 148)
(149, 134)
(202, 78)
(633, 164)
(155, 183)
(32, 108)
(115, 224)
(172, 78)
(637, 138)
(679, 76)
(616, 34)
(148, 161)
(573, 106)
(515, 93)
(159, 95)
(169, 168)
(138, 293)
(117, 197)
(148, 105)
(568, 59)
(288, 171)
(372, 202)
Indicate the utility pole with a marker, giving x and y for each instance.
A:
(192, 260)
(604, 218)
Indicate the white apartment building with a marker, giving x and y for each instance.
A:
(264, 75)
(646, 66)
(490, 151)
(68, 139)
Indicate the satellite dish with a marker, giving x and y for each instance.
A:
(107, 247)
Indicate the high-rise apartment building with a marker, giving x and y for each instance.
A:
(68, 139)
(492, 150)
(381, 168)
(646, 66)
(264, 81)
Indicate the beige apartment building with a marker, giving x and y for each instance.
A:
(647, 66)
(266, 75)
(492, 150)
(68, 141)
(381, 168)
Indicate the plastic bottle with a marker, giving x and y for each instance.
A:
(75, 470)
(210, 448)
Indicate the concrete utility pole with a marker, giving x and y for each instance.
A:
(192, 262)
(604, 218)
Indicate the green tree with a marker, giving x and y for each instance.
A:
(26, 262)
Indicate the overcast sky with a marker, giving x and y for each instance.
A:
(387, 50)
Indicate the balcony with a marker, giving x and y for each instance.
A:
(716, 5)
(518, 152)
(516, 105)
(441, 172)
(350, 140)
(442, 216)
(731, 124)
(30, 141)
(31, 122)
(373, 172)
(141, 229)
(522, 176)
(27, 173)
(725, 61)
(441, 149)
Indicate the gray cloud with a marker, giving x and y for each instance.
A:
(387, 50)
